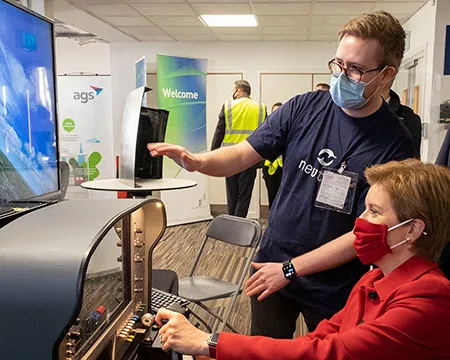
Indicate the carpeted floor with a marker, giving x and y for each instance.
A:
(177, 251)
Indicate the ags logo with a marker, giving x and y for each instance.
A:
(85, 96)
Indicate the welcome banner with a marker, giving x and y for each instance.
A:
(181, 86)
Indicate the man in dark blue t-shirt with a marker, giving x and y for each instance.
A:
(307, 262)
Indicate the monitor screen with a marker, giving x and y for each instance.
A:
(28, 139)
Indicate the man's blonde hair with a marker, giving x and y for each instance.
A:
(383, 27)
(419, 191)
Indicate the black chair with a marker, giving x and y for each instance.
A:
(232, 230)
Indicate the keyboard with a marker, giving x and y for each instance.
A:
(162, 299)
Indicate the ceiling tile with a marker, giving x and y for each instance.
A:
(281, 1)
(284, 30)
(342, 8)
(408, 1)
(175, 20)
(163, 9)
(282, 20)
(235, 30)
(332, 38)
(403, 18)
(325, 30)
(195, 37)
(330, 20)
(239, 37)
(284, 37)
(217, 1)
(141, 30)
(127, 20)
(282, 8)
(399, 7)
(222, 8)
(154, 38)
(187, 30)
(111, 10)
(86, 2)
(154, 1)
(340, 1)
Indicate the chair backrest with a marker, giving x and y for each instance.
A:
(235, 230)
(232, 230)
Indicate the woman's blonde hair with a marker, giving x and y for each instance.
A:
(419, 191)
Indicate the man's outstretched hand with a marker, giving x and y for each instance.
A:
(177, 153)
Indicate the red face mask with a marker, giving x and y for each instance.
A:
(371, 240)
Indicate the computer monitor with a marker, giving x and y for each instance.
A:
(28, 140)
(152, 128)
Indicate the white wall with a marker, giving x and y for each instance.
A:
(445, 88)
(90, 58)
(428, 32)
(246, 57)
(422, 33)
(442, 20)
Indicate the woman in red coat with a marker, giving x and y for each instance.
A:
(401, 310)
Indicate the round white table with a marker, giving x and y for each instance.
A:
(143, 188)
(142, 185)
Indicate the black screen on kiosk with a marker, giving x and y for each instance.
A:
(28, 139)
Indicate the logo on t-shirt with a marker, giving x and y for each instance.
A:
(326, 157)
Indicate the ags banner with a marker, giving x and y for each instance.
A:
(182, 91)
(85, 128)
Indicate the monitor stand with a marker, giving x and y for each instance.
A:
(127, 180)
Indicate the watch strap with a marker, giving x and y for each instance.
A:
(212, 344)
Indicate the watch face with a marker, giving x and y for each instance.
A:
(289, 271)
(213, 339)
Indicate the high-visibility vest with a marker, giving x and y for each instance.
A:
(242, 117)
(273, 166)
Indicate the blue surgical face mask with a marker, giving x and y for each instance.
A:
(349, 95)
(346, 94)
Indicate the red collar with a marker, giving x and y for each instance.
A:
(410, 270)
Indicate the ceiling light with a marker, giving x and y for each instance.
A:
(230, 20)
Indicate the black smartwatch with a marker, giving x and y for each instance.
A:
(289, 271)
(212, 344)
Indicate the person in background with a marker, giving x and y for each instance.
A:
(411, 120)
(272, 171)
(322, 87)
(398, 311)
(306, 262)
(237, 120)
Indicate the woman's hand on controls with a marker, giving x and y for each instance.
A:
(179, 335)
(268, 278)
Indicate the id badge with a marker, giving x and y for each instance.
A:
(337, 190)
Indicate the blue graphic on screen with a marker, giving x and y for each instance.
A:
(28, 153)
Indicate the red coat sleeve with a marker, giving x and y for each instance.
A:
(326, 327)
(413, 327)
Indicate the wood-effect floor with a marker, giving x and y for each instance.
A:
(177, 251)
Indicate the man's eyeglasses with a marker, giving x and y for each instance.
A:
(352, 73)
